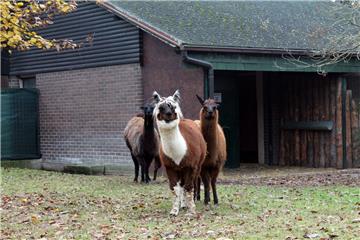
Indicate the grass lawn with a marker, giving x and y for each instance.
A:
(50, 205)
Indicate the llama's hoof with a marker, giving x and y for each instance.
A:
(190, 214)
(183, 205)
(135, 180)
(207, 207)
(174, 212)
(216, 205)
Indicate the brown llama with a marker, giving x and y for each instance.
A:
(142, 139)
(182, 150)
(216, 147)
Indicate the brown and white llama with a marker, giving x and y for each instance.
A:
(182, 150)
(142, 139)
(216, 148)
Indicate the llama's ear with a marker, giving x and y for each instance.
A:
(156, 97)
(200, 99)
(176, 96)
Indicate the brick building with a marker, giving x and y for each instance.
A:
(229, 50)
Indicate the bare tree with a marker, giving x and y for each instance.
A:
(342, 39)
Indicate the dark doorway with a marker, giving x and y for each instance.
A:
(238, 115)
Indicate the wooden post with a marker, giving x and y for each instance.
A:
(355, 134)
(260, 117)
(339, 125)
(303, 117)
(348, 129)
(291, 143)
(297, 110)
(286, 118)
(282, 118)
(316, 118)
(327, 135)
(292, 108)
(310, 134)
(333, 117)
(322, 110)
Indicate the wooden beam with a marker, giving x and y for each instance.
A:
(339, 125)
(260, 117)
(348, 163)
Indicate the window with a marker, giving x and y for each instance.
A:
(28, 82)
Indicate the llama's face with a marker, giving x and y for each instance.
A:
(209, 107)
(167, 111)
(148, 110)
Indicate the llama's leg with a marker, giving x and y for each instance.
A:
(206, 181)
(214, 175)
(147, 166)
(174, 187)
(198, 186)
(136, 163)
(143, 167)
(189, 179)
(182, 197)
(157, 165)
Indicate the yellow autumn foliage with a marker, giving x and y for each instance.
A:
(20, 19)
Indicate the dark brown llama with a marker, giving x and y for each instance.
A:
(216, 148)
(142, 139)
(182, 150)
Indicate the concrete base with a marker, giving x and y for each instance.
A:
(69, 168)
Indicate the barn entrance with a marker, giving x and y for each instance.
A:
(238, 115)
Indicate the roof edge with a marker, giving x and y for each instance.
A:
(161, 35)
(231, 49)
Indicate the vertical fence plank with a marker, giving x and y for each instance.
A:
(322, 110)
(348, 129)
(310, 134)
(355, 134)
(316, 118)
(282, 107)
(303, 117)
(296, 115)
(327, 135)
(339, 140)
(333, 118)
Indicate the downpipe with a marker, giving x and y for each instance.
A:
(209, 73)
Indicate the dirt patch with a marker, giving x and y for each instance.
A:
(292, 177)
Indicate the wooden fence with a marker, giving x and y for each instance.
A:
(320, 123)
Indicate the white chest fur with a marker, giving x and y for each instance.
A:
(173, 144)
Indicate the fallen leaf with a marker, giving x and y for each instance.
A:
(34, 219)
(357, 220)
(333, 235)
(311, 235)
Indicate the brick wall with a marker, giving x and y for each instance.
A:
(83, 114)
(13, 82)
(165, 71)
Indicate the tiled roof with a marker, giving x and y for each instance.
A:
(299, 25)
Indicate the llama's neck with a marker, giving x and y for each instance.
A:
(173, 144)
(149, 126)
(209, 131)
(149, 133)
